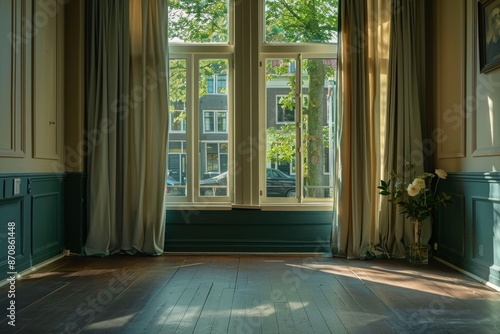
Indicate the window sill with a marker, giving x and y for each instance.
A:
(297, 207)
(262, 207)
(198, 206)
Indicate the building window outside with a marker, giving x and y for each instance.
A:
(215, 121)
(285, 113)
(178, 121)
(221, 84)
(210, 85)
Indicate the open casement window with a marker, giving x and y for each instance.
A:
(307, 132)
(297, 100)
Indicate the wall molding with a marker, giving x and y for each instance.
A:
(476, 225)
(485, 177)
(477, 248)
(47, 127)
(17, 66)
(457, 249)
(451, 120)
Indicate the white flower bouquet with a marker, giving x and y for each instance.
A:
(416, 198)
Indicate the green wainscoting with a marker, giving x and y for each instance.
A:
(467, 230)
(35, 206)
(240, 230)
(14, 210)
(75, 211)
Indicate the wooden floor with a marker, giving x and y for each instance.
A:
(249, 294)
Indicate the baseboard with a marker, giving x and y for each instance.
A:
(477, 278)
(320, 254)
(34, 268)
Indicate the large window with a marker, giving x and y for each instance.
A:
(200, 131)
(246, 131)
(298, 62)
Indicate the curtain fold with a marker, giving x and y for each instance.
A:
(379, 124)
(127, 125)
(405, 111)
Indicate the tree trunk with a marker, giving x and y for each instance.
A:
(314, 137)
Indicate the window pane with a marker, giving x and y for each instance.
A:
(178, 121)
(280, 137)
(223, 148)
(301, 21)
(285, 110)
(212, 158)
(177, 158)
(209, 121)
(176, 174)
(213, 133)
(317, 120)
(210, 85)
(221, 84)
(222, 121)
(198, 21)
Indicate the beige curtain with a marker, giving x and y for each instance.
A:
(379, 124)
(127, 126)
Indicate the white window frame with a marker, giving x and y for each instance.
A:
(193, 55)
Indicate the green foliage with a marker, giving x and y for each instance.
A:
(177, 83)
(281, 143)
(301, 21)
(201, 21)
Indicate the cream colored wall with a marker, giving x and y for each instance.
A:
(32, 118)
(467, 103)
(75, 148)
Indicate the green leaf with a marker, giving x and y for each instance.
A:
(398, 200)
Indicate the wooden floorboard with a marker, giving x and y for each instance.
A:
(248, 294)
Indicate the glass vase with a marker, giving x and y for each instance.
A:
(418, 253)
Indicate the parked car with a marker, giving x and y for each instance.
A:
(214, 186)
(174, 187)
(278, 184)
